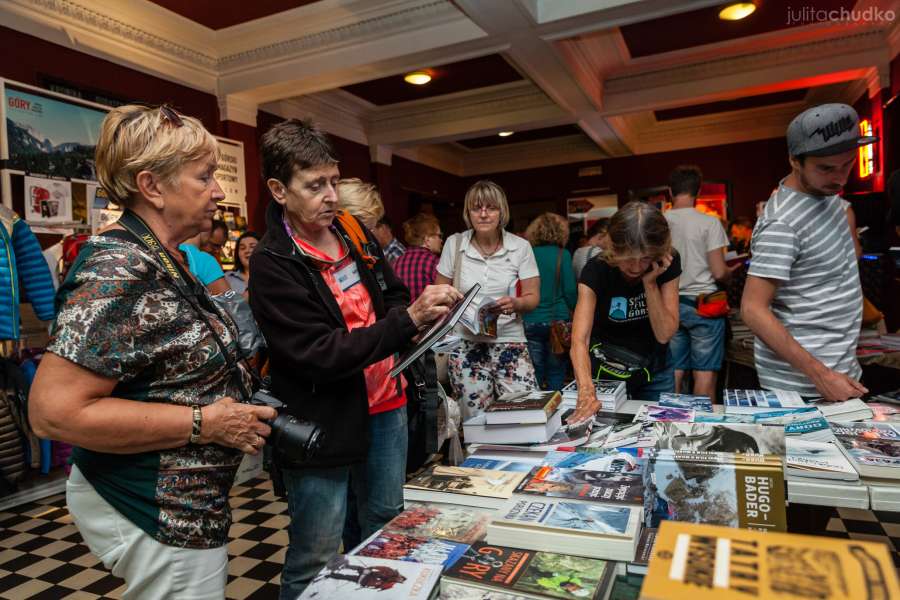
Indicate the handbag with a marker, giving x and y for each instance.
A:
(560, 330)
(616, 362)
(250, 338)
(713, 305)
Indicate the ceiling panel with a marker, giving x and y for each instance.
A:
(520, 136)
(698, 110)
(700, 27)
(446, 79)
(217, 14)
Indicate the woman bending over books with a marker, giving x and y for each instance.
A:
(627, 310)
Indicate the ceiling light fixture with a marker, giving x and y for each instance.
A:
(506, 133)
(417, 77)
(737, 11)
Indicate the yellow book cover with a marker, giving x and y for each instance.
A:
(706, 562)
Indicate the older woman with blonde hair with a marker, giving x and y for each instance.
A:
(548, 235)
(142, 372)
(627, 310)
(486, 366)
(360, 199)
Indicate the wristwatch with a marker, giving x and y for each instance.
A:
(195, 426)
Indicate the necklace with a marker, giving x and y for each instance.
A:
(481, 248)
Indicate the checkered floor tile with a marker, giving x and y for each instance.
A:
(42, 555)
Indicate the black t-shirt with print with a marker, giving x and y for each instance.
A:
(621, 316)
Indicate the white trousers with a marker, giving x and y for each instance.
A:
(151, 570)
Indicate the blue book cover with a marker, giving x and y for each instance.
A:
(701, 403)
(496, 465)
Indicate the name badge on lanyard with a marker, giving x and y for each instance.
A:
(347, 277)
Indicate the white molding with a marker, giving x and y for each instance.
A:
(337, 112)
(591, 57)
(530, 155)
(472, 113)
(239, 110)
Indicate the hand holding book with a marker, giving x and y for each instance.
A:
(434, 302)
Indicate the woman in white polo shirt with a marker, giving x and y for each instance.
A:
(485, 367)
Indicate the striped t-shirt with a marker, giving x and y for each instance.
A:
(804, 242)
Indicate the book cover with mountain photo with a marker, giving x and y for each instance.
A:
(721, 437)
(578, 484)
(399, 546)
(446, 521)
(735, 490)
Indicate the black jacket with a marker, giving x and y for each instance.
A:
(316, 364)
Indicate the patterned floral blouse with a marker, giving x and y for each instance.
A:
(121, 316)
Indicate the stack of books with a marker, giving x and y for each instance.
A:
(706, 562)
(873, 447)
(517, 418)
(400, 546)
(849, 410)
(750, 401)
(722, 488)
(611, 394)
(445, 521)
(479, 488)
(817, 461)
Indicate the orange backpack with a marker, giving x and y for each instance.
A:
(356, 234)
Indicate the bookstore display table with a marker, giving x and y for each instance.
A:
(835, 494)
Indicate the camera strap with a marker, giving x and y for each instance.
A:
(190, 289)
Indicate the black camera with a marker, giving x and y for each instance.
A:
(295, 439)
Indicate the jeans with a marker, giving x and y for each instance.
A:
(662, 380)
(549, 368)
(699, 343)
(375, 495)
(317, 501)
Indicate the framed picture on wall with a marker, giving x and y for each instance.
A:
(713, 198)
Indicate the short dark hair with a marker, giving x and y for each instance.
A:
(686, 179)
(294, 144)
(238, 266)
(217, 224)
(598, 226)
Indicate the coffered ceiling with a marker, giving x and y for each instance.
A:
(574, 80)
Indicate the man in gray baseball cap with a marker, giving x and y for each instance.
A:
(802, 298)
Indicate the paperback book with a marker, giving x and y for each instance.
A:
(480, 488)
(528, 573)
(849, 410)
(644, 551)
(496, 464)
(476, 430)
(522, 407)
(704, 562)
(399, 546)
(610, 461)
(873, 447)
(594, 530)
(698, 403)
(481, 319)
(736, 490)
(365, 578)
(664, 414)
(445, 521)
(721, 437)
(578, 484)
(744, 401)
(819, 460)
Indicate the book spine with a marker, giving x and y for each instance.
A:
(761, 497)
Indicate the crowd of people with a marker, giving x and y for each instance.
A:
(144, 375)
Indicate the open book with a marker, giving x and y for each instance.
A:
(483, 319)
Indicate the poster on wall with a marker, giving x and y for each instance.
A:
(50, 135)
(230, 173)
(48, 200)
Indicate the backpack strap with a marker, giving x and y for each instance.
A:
(357, 236)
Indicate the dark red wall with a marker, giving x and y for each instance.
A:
(752, 168)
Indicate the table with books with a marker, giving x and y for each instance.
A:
(675, 499)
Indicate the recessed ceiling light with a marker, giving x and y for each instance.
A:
(417, 77)
(505, 133)
(737, 11)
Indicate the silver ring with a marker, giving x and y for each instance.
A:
(259, 440)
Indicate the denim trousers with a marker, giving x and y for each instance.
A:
(318, 501)
(549, 368)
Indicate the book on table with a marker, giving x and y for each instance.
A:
(698, 403)
(611, 394)
(399, 546)
(581, 485)
(664, 414)
(528, 573)
(497, 464)
(720, 437)
(641, 561)
(737, 490)
(476, 430)
(365, 578)
(694, 561)
(556, 525)
(817, 460)
(480, 488)
(873, 447)
(748, 401)
(533, 406)
(611, 461)
(848, 410)
(445, 521)
(455, 591)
